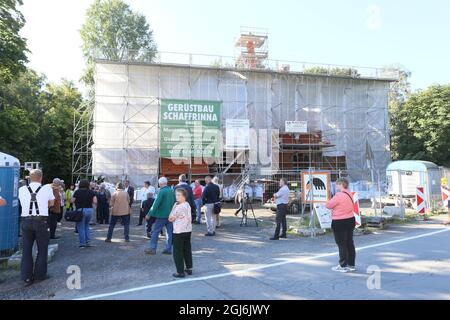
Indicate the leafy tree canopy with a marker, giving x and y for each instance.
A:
(114, 32)
(423, 126)
(13, 47)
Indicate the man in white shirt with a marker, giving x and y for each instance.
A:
(35, 200)
(145, 191)
(148, 188)
(281, 200)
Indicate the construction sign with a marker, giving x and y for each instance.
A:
(190, 128)
(315, 186)
(356, 212)
(420, 201)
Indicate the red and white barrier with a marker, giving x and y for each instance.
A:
(420, 201)
(445, 196)
(356, 212)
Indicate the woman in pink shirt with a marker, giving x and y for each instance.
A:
(343, 225)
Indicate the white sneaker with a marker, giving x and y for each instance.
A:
(351, 269)
(340, 269)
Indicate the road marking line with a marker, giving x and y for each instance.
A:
(262, 267)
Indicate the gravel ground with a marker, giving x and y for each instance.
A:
(119, 265)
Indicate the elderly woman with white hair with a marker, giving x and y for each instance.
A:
(102, 205)
(160, 210)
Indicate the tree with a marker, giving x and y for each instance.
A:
(18, 133)
(36, 123)
(20, 115)
(24, 93)
(13, 47)
(61, 103)
(114, 32)
(424, 120)
(398, 95)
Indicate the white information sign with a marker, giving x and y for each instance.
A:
(237, 136)
(296, 126)
(323, 215)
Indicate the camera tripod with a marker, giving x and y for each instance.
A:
(245, 207)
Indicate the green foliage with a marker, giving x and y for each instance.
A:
(398, 95)
(424, 126)
(420, 122)
(342, 72)
(36, 122)
(60, 102)
(114, 32)
(18, 133)
(13, 47)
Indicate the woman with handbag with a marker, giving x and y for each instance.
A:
(84, 199)
(343, 224)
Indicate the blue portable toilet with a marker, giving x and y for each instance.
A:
(9, 191)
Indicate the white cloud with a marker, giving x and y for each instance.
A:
(374, 20)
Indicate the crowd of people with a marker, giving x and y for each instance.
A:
(169, 209)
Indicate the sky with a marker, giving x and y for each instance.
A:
(412, 33)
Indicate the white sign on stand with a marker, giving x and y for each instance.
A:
(316, 186)
(323, 215)
(296, 126)
(237, 134)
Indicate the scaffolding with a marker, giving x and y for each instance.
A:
(346, 114)
(253, 48)
(82, 141)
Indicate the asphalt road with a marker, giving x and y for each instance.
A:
(241, 263)
(415, 265)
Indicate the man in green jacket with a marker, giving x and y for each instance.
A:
(160, 210)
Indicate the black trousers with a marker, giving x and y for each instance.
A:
(182, 251)
(241, 207)
(343, 235)
(52, 223)
(142, 215)
(281, 220)
(150, 224)
(103, 214)
(60, 214)
(34, 229)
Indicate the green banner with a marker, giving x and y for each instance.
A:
(189, 128)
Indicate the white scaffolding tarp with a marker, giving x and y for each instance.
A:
(350, 112)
